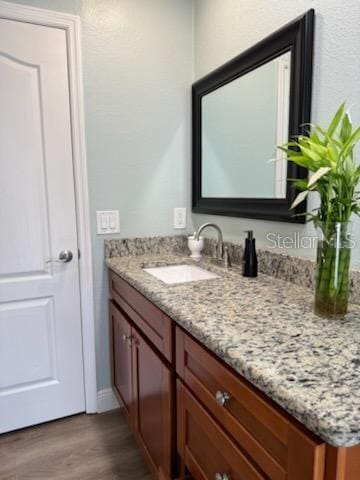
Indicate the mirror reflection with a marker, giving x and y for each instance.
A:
(242, 122)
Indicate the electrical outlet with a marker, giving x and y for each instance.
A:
(180, 217)
(108, 221)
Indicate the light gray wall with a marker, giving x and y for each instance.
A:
(224, 28)
(138, 69)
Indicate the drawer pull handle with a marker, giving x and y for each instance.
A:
(222, 476)
(125, 338)
(222, 398)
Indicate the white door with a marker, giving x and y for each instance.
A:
(41, 366)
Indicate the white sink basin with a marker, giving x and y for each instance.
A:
(180, 273)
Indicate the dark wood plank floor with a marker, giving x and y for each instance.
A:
(83, 447)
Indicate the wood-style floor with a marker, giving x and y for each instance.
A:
(83, 447)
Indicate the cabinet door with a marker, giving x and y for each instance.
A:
(205, 448)
(153, 403)
(120, 331)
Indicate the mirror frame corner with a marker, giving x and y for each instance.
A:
(296, 37)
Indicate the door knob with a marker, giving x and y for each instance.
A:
(65, 256)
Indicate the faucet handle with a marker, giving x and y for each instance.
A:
(227, 261)
(218, 252)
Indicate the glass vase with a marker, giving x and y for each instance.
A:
(332, 270)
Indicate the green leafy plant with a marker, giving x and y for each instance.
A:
(330, 158)
(334, 174)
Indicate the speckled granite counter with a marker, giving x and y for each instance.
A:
(265, 329)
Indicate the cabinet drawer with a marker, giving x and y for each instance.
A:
(204, 447)
(277, 443)
(153, 323)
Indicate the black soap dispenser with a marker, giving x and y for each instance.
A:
(250, 258)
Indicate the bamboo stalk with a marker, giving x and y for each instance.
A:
(332, 284)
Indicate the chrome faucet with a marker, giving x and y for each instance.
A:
(219, 250)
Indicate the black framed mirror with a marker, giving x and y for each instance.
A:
(241, 111)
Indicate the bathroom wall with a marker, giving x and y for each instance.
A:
(224, 28)
(138, 68)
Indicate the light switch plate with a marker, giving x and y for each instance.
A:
(108, 221)
(180, 217)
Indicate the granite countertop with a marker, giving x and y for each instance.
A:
(264, 329)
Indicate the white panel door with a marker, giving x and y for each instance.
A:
(41, 366)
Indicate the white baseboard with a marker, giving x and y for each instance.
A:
(106, 400)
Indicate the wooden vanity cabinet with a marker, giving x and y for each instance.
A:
(242, 421)
(152, 322)
(194, 417)
(207, 451)
(144, 381)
